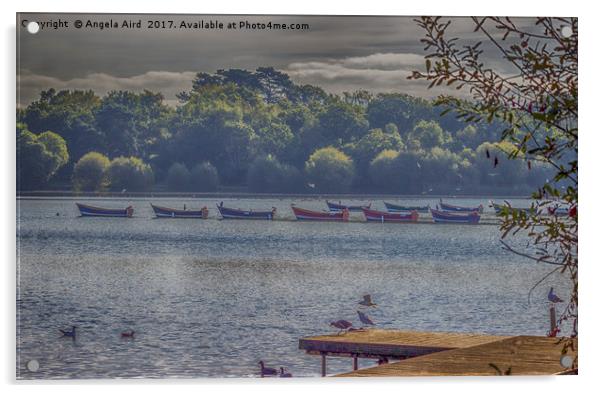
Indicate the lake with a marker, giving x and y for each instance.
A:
(210, 298)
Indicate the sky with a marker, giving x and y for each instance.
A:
(337, 53)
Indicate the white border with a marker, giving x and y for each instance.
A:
(591, 323)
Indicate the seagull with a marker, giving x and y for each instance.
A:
(553, 298)
(69, 333)
(341, 324)
(283, 374)
(364, 318)
(266, 370)
(128, 334)
(367, 301)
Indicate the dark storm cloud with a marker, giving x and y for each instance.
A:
(337, 53)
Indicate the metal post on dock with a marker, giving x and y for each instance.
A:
(355, 362)
(553, 326)
(323, 364)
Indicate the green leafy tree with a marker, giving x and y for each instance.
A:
(429, 134)
(38, 157)
(178, 178)
(204, 177)
(267, 174)
(131, 174)
(330, 170)
(90, 172)
(397, 172)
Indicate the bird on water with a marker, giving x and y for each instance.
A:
(69, 333)
(553, 297)
(266, 370)
(284, 374)
(128, 334)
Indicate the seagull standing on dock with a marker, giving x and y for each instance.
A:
(341, 324)
(364, 318)
(553, 297)
(367, 302)
(69, 333)
(266, 370)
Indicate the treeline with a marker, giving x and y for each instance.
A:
(261, 132)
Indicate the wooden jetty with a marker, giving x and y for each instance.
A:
(439, 354)
(388, 344)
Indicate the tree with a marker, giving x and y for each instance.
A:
(429, 134)
(178, 178)
(204, 177)
(38, 157)
(131, 174)
(267, 174)
(330, 170)
(89, 173)
(538, 104)
(397, 172)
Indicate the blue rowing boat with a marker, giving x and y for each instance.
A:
(455, 218)
(94, 211)
(393, 208)
(339, 207)
(167, 212)
(231, 213)
(459, 209)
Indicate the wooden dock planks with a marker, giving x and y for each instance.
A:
(521, 355)
(374, 343)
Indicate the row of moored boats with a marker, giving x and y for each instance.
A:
(443, 213)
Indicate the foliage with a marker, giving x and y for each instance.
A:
(537, 105)
(38, 157)
(130, 174)
(267, 174)
(178, 178)
(89, 173)
(204, 177)
(234, 117)
(329, 170)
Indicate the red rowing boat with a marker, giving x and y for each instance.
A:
(375, 215)
(310, 215)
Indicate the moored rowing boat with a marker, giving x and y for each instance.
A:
(378, 216)
(94, 211)
(455, 218)
(311, 215)
(167, 212)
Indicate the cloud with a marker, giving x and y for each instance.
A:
(378, 72)
(166, 82)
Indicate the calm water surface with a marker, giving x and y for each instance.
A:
(210, 298)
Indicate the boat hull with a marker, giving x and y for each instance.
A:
(310, 215)
(337, 207)
(378, 216)
(238, 214)
(442, 217)
(446, 207)
(499, 209)
(94, 211)
(166, 212)
(393, 208)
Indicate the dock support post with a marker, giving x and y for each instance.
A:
(323, 364)
(354, 362)
(552, 318)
